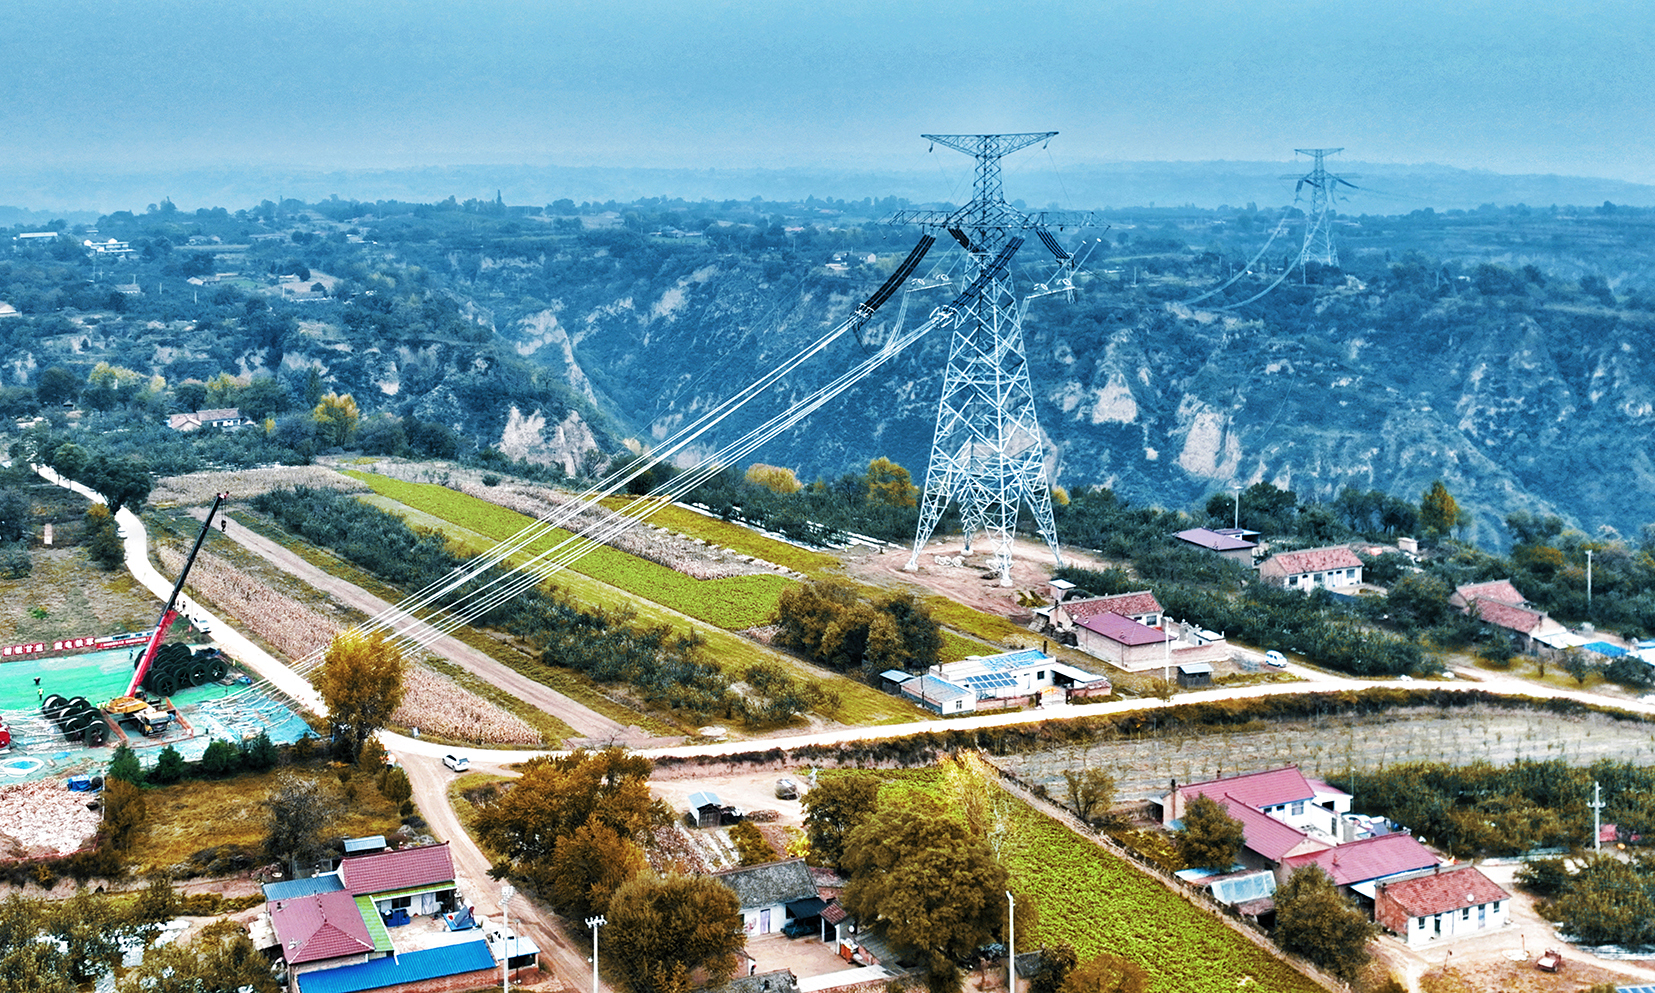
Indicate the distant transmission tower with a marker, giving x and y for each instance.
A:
(987, 451)
(1318, 232)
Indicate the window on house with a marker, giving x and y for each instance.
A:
(401, 902)
(1298, 808)
(1495, 906)
(1041, 674)
(1465, 913)
(959, 704)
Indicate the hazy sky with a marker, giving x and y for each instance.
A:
(1518, 86)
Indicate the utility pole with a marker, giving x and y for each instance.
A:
(506, 893)
(594, 923)
(1011, 943)
(1588, 582)
(987, 450)
(1237, 524)
(1597, 813)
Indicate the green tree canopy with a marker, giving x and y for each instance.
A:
(1314, 920)
(1211, 838)
(918, 869)
(834, 807)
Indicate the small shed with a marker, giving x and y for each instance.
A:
(706, 809)
(366, 844)
(891, 680)
(1195, 674)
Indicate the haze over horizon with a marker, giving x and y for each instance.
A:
(124, 87)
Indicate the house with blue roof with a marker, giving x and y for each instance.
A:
(990, 681)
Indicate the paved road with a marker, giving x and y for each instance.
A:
(422, 759)
(479, 663)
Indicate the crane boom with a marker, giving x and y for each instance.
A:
(168, 613)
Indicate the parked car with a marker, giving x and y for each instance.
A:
(1275, 658)
(786, 789)
(459, 763)
(810, 927)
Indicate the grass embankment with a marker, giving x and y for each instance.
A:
(464, 519)
(190, 817)
(1096, 902)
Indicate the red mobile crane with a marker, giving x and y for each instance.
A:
(131, 705)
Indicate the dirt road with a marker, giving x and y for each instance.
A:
(430, 780)
(596, 727)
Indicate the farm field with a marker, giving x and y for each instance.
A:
(1094, 901)
(859, 703)
(716, 531)
(1144, 765)
(734, 604)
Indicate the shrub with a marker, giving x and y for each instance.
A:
(220, 758)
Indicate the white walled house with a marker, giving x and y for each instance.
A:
(1441, 904)
(1331, 568)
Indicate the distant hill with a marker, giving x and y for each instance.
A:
(1386, 188)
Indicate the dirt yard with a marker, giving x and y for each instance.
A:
(945, 570)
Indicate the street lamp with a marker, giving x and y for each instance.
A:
(594, 923)
(1237, 488)
(506, 893)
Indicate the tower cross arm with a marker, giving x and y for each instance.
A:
(995, 144)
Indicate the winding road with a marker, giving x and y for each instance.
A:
(430, 779)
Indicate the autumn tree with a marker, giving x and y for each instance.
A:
(833, 808)
(1091, 791)
(587, 868)
(937, 887)
(776, 479)
(662, 928)
(124, 812)
(1106, 974)
(751, 848)
(890, 484)
(361, 681)
(297, 816)
(1210, 838)
(1056, 962)
(1438, 512)
(336, 418)
(536, 824)
(1314, 920)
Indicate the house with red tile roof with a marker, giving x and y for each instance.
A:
(1499, 590)
(325, 930)
(1140, 606)
(1356, 865)
(415, 880)
(1499, 604)
(1446, 902)
(346, 918)
(1334, 567)
(1283, 795)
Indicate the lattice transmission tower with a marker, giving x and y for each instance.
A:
(1318, 231)
(987, 451)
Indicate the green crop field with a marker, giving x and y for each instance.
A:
(858, 703)
(736, 537)
(1096, 902)
(733, 604)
